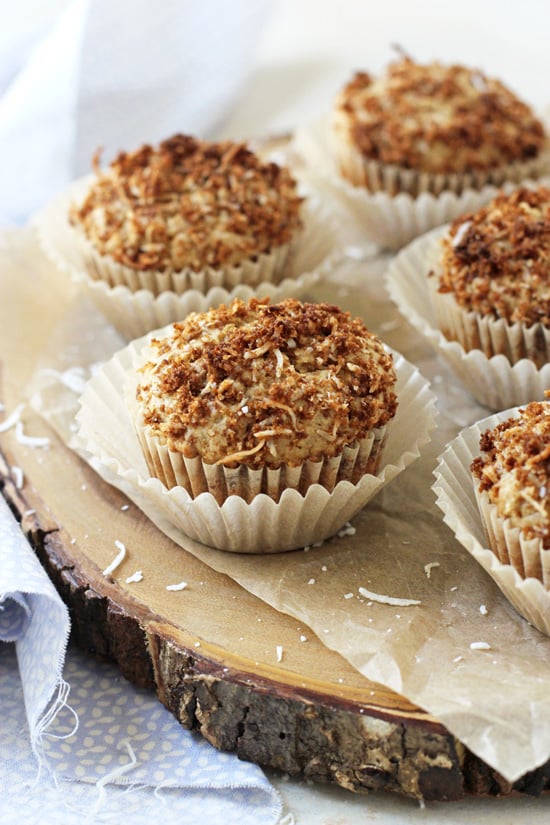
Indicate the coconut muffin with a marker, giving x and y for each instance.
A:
(254, 397)
(188, 214)
(491, 290)
(512, 479)
(432, 127)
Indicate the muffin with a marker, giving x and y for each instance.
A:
(491, 289)
(492, 379)
(253, 398)
(187, 214)
(431, 127)
(184, 227)
(512, 484)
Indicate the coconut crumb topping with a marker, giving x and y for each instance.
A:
(266, 385)
(514, 468)
(496, 261)
(437, 119)
(188, 204)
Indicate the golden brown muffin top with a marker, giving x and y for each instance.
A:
(437, 119)
(265, 385)
(496, 261)
(514, 470)
(188, 204)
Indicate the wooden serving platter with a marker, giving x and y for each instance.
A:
(208, 655)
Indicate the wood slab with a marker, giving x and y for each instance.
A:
(208, 651)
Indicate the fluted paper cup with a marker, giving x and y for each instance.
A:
(493, 381)
(107, 439)
(457, 499)
(136, 303)
(383, 213)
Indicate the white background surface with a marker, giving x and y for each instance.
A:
(306, 51)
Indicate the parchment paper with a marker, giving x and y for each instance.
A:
(495, 700)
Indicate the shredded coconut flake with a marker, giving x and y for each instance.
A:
(381, 599)
(135, 577)
(29, 440)
(73, 378)
(483, 609)
(12, 419)
(348, 595)
(279, 653)
(17, 474)
(429, 567)
(480, 646)
(118, 559)
(346, 530)
(460, 232)
(178, 586)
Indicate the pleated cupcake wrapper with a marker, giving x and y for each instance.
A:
(133, 313)
(392, 179)
(269, 266)
(491, 336)
(456, 497)
(107, 439)
(175, 469)
(493, 380)
(388, 216)
(527, 556)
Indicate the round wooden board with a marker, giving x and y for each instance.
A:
(209, 652)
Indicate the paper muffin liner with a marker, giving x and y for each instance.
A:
(314, 254)
(268, 266)
(107, 439)
(393, 179)
(491, 336)
(527, 556)
(174, 468)
(388, 218)
(494, 380)
(456, 498)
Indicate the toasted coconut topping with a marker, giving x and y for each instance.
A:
(514, 470)
(251, 383)
(188, 204)
(496, 261)
(437, 119)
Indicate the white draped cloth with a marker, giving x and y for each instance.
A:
(91, 73)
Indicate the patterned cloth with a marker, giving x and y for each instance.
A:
(80, 744)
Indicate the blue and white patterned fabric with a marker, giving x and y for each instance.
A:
(79, 744)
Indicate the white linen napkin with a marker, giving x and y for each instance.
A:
(80, 744)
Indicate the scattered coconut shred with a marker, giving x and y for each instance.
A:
(135, 577)
(118, 559)
(480, 646)
(381, 599)
(14, 420)
(18, 477)
(429, 567)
